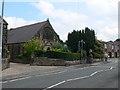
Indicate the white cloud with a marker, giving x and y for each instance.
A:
(102, 6)
(104, 20)
(102, 17)
(67, 20)
(17, 22)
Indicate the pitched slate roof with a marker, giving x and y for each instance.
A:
(3, 20)
(24, 33)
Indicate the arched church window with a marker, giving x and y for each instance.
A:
(48, 34)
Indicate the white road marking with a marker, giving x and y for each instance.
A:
(55, 85)
(47, 73)
(15, 80)
(77, 78)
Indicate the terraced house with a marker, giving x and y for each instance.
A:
(42, 30)
(112, 48)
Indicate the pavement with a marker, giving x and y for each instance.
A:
(17, 68)
(97, 75)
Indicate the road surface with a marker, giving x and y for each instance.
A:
(101, 76)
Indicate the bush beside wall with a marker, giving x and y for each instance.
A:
(96, 55)
(58, 55)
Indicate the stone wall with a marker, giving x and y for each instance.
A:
(5, 63)
(44, 61)
(72, 62)
(15, 49)
(17, 60)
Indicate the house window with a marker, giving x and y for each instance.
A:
(4, 26)
(113, 54)
(105, 45)
(112, 47)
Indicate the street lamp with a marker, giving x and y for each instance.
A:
(90, 56)
(1, 35)
(80, 47)
(1, 31)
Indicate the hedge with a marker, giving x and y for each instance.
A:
(58, 55)
(96, 55)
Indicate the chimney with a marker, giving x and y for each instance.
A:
(11, 28)
(48, 19)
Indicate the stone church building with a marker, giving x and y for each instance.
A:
(42, 30)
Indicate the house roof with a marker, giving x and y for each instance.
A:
(24, 33)
(3, 20)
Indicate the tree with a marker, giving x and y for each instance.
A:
(98, 49)
(87, 35)
(32, 45)
(117, 39)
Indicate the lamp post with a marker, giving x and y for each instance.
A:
(1, 31)
(80, 47)
(1, 35)
(90, 56)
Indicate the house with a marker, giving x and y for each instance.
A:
(42, 30)
(4, 37)
(112, 48)
(5, 52)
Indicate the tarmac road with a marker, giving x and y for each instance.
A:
(100, 76)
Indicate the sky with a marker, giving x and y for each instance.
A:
(66, 15)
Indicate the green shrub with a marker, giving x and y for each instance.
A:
(96, 55)
(58, 55)
(23, 56)
(60, 48)
(31, 46)
(39, 53)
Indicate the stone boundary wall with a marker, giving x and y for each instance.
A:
(5, 63)
(44, 61)
(17, 60)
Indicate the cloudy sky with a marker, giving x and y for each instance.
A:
(66, 15)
